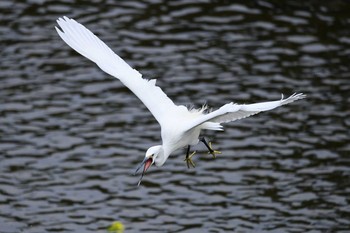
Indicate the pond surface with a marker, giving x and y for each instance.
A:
(71, 136)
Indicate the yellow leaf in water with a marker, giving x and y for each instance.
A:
(116, 227)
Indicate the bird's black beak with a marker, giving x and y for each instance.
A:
(147, 162)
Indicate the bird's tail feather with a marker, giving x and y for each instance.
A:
(212, 126)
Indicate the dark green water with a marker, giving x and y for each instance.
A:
(71, 136)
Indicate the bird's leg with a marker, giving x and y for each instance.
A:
(211, 150)
(188, 158)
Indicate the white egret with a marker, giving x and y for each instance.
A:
(180, 127)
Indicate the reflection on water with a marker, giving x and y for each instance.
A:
(71, 135)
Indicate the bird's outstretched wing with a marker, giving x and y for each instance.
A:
(231, 112)
(90, 46)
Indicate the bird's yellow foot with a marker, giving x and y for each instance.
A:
(189, 161)
(212, 151)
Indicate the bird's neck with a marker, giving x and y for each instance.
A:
(162, 156)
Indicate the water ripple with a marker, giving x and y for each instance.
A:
(71, 135)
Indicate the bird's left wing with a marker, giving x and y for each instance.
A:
(90, 46)
(231, 112)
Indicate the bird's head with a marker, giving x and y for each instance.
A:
(153, 156)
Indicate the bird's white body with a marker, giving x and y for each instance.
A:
(180, 126)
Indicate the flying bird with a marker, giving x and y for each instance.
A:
(180, 126)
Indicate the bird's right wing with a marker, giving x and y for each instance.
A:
(231, 112)
(90, 46)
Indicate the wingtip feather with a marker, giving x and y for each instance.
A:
(292, 98)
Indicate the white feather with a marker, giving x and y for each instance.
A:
(90, 46)
(231, 112)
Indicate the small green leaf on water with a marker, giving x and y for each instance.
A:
(116, 227)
